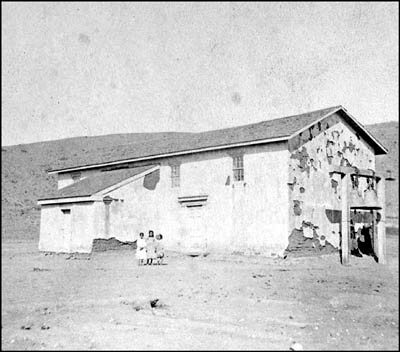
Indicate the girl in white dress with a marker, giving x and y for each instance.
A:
(141, 254)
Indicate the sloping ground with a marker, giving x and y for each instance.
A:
(24, 177)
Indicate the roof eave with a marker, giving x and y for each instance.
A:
(159, 156)
(381, 149)
(96, 195)
(378, 147)
(69, 199)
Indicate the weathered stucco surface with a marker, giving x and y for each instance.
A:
(247, 216)
(61, 232)
(314, 192)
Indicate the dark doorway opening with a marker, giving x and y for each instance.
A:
(362, 233)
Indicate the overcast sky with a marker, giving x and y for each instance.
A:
(76, 69)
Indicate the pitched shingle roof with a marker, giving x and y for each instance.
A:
(96, 183)
(265, 130)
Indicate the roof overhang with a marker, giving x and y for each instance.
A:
(97, 196)
(381, 148)
(378, 147)
(159, 156)
(67, 200)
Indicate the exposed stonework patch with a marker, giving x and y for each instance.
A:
(303, 157)
(316, 194)
(297, 208)
(101, 244)
(313, 131)
(299, 245)
(349, 146)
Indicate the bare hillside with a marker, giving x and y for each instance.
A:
(24, 178)
(388, 134)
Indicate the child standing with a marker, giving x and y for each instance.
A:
(141, 255)
(151, 248)
(159, 249)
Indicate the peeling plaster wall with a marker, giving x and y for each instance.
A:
(314, 194)
(72, 232)
(249, 216)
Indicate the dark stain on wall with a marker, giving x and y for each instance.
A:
(334, 216)
(303, 157)
(334, 185)
(297, 208)
(313, 165)
(292, 184)
(344, 162)
(316, 129)
(84, 38)
(349, 146)
(335, 135)
(150, 181)
(236, 98)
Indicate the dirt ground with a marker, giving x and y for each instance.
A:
(214, 302)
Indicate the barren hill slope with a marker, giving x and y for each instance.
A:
(24, 177)
(388, 134)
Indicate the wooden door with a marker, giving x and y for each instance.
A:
(196, 240)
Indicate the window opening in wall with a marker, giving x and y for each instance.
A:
(66, 211)
(76, 176)
(238, 169)
(175, 175)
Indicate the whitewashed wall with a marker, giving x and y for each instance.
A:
(249, 216)
(56, 236)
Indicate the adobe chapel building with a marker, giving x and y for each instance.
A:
(294, 184)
